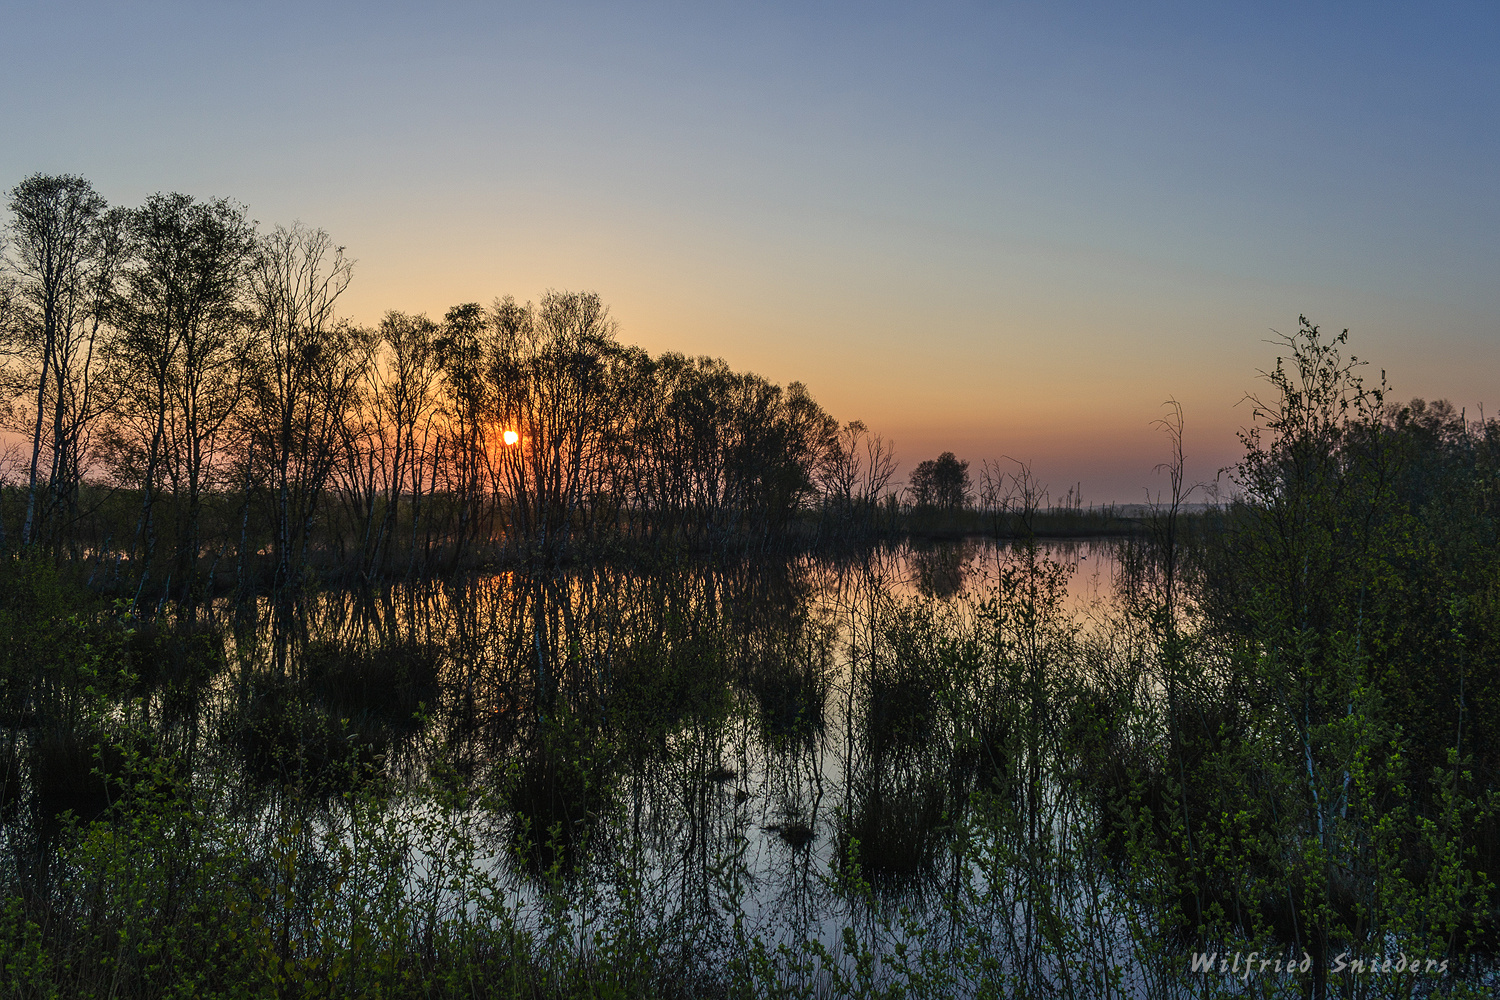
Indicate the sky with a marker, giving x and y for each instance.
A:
(1011, 231)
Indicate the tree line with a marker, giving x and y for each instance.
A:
(188, 401)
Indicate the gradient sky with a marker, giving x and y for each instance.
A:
(1004, 230)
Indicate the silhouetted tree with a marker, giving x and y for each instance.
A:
(942, 482)
(461, 351)
(62, 256)
(217, 358)
(551, 379)
(389, 443)
(855, 471)
(305, 387)
(183, 359)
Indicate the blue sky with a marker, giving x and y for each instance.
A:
(997, 229)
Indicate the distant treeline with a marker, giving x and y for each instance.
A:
(190, 403)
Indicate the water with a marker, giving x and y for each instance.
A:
(771, 752)
(750, 721)
(906, 755)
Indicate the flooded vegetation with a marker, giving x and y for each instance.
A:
(943, 769)
(492, 656)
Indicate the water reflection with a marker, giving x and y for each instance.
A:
(754, 688)
(939, 569)
(790, 722)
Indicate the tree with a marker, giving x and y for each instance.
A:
(62, 261)
(942, 482)
(460, 354)
(183, 357)
(389, 447)
(854, 472)
(309, 379)
(812, 436)
(550, 375)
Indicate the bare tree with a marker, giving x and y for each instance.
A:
(390, 443)
(311, 373)
(880, 467)
(856, 470)
(843, 467)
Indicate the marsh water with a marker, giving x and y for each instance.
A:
(766, 749)
(690, 725)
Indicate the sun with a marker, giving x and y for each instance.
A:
(511, 437)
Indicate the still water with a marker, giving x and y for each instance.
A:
(772, 749)
(757, 712)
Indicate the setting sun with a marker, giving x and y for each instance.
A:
(511, 437)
